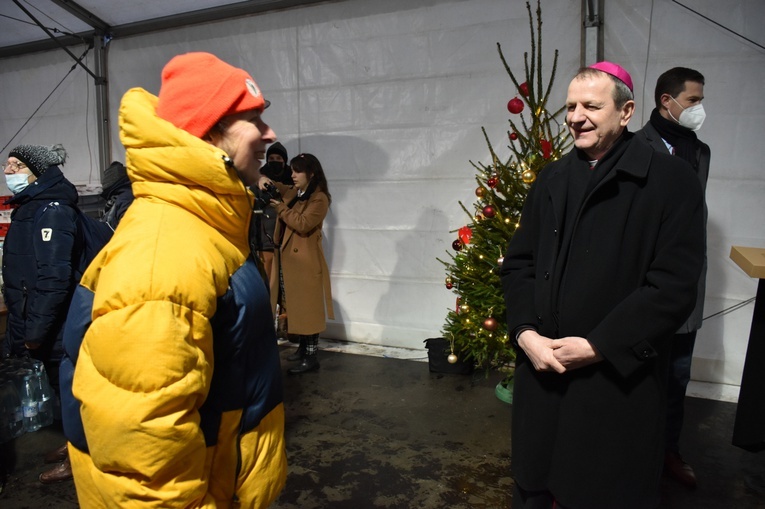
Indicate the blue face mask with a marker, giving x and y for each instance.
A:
(17, 182)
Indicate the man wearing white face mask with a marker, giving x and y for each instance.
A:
(672, 128)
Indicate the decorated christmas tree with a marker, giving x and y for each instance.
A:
(476, 327)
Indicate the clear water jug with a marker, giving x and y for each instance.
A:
(30, 402)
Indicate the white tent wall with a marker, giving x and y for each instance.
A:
(391, 96)
(68, 116)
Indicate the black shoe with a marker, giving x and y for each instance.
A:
(309, 363)
(756, 483)
(298, 355)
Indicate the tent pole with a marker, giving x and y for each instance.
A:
(102, 104)
(592, 40)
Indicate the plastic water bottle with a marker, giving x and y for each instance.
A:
(45, 394)
(29, 402)
(11, 415)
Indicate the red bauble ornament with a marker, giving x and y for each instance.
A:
(546, 148)
(523, 88)
(513, 136)
(490, 324)
(449, 286)
(488, 211)
(457, 245)
(515, 105)
(493, 181)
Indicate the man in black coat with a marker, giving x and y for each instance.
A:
(672, 130)
(39, 253)
(600, 273)
(117, 192)
(40, 256)
(262, 226)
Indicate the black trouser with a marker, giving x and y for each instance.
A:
(523, 499)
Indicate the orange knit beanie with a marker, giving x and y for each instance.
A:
(198, 89)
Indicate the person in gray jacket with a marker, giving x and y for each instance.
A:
(672, 130)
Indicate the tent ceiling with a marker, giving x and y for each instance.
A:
(70, 21)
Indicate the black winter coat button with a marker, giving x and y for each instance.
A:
(547, 276)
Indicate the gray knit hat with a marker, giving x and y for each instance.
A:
(38, 158)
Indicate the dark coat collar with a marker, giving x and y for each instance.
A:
(634, 162)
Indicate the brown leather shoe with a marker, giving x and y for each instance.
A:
(56, 456)
(679, 470)
(59, 473)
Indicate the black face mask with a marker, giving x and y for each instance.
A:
(277, 172)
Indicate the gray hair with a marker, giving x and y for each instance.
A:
(622, 92)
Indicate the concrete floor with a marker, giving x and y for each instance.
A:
(375, 432)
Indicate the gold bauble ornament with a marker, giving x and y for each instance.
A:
(452, 358)
(528, 176)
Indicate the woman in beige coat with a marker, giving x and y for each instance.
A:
(300, 264)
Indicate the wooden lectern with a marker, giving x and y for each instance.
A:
(749, 428)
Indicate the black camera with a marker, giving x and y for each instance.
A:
(264, 196)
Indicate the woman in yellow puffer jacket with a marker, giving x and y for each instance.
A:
(171, 384)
